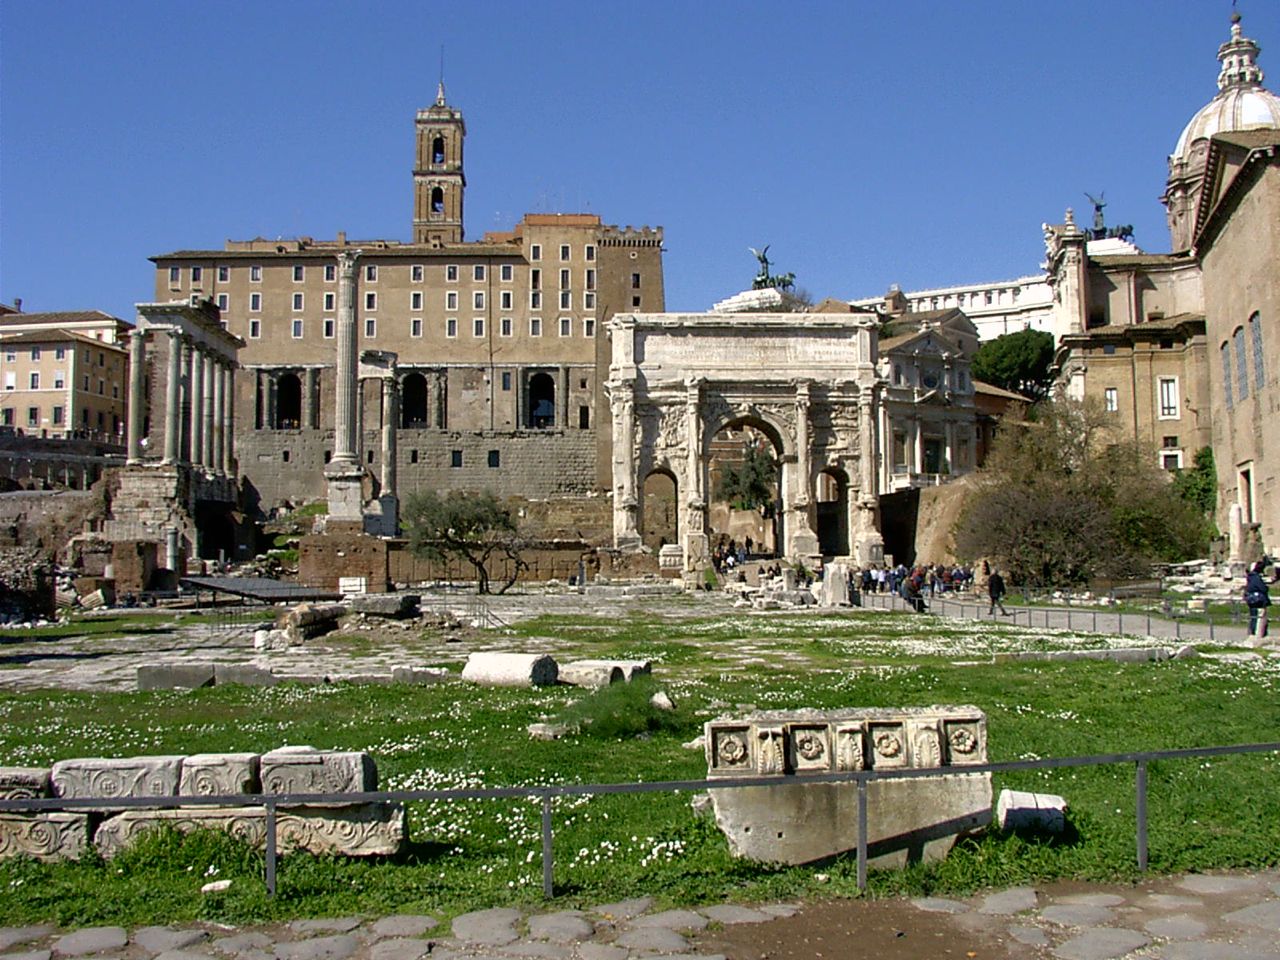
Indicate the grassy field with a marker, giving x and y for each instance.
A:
(467, 855)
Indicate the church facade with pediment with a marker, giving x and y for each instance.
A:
(808, 382)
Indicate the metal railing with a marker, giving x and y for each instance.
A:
(271, 803)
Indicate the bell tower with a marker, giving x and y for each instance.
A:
(438, 179)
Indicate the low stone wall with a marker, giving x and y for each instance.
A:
(351, 829)
(908, 820)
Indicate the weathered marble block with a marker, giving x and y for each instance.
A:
(1021, 810)
(355, 830)
(494, 669)
(44, 836)
(213, 774)
(308, 770)
(23, 783)
(601, 673)
(907, 820)
(123, 777)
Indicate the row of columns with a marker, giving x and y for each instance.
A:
(199, 421)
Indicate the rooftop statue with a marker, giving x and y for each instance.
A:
(764, 280)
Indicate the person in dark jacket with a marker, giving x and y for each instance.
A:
(1257, 597)
(995, 590)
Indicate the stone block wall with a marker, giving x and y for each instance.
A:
(324, 558)
(351, 829)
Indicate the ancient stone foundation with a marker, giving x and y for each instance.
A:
(351, 829)
(908, 820)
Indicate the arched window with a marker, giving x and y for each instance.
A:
(288, 402)
(1226, 373)
(542, 402)
(413, 402)
(1242, 371)
(437, 200)
(437, 150)
(1255, 338)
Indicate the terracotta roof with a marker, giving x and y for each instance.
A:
(400, 251)
(832, 305)
(902, 339)
(1140, 259)
(55, 335)
(991, 390)
(60, 317)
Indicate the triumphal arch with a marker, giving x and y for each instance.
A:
(807, 381)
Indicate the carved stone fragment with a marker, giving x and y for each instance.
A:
(497, 669)
(601, 673)
(308, 770)
(214, 774)
(44, 836)
(123, 777)
(23, 783)
(355, 830)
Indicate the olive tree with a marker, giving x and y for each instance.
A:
(474, 528)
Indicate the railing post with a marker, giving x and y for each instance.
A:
(862, 834)
(548, 866)
(1141, 785)
(271, 848)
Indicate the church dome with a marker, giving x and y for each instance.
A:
(1242, 102)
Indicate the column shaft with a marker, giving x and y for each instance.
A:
(196, 399)
(206, 412)
(173, 401)
(228, 420)
(217, 431)
(390, 413)
(137, 393)
(346, 450)
(309, 399)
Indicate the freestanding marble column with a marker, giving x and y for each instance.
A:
(208, 390)
(196, 397)
(228, 420)
(137, 393)
(390, 414)
(173, 400)
(802, 542)
(626, 534)
(697, 546)
(217, 433)
(309, 399)
(344, 471)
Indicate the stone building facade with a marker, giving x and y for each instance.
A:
(498, 346)
(63, 385)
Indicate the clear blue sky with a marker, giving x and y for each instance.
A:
(921, 143)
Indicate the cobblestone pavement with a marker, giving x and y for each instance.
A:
(1220, 916)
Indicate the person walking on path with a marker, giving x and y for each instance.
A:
(1257, 597)
(995, 590)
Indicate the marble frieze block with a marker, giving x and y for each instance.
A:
(215, 774)
(24, 783)
(355, 830)
(110, 778)
(44, 836)
(908, 819)
(308, 770)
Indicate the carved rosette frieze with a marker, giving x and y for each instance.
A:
(841, 741)
(23, 783)
(307, 770)
(214, 774)
(125, 777)
(44, 836)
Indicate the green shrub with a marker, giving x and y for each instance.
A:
(621, 710)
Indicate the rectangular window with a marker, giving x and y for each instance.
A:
(451, 273)
(1168, 398)
(1111, 399)
(455, 458)
(59, 380)
(10, 380)
(588, 301)
(35, 381)
(535, 300)
(588, 327)
(507, 299)
(505, 327)
(477, 272)
(299, 273)
(494, 459)
(255, 329)
(635, 302)
(564, 251)
(535, 251)
(415, 300)
(415, 327)
(1242, 372)
(224, 274)
(59, 353)
(255, 302)
(370, 328)
(415, 273)
(35, 353)
(451, 300)
(566, 327)
(371, 301)
(477, 299)
(297, 301)
(297, 330)
(590, 252)
(371, 273)
(328, 328)
(508, 273)
(223, 302)
(255, 274)
(6, 416)
(1255, 338)
(535, 279)
(197, 276)
(535, 326)
(451, 327)
(1171, 459)
(506, 380)
(1169, 443)
(175, 276)
(591, 279)
(57, 416)
(635, 281)
(330, 299)
(566, 299)
(330, 272)
(86, 382)
(584, 418)
(564, 279)
(33, 416)
(477, 327)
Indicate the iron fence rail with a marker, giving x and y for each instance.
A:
(271, 803)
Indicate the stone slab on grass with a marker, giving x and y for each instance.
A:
(566, 926)
(400, 948)
(90, 940)
(496, 926)
(1263, 916)
(1076, 915)
(496, 669)
(1101, 943)
(623, 909)
(337, 947)
(672, 920)
(324, 925)
(175, 676)
(16, 936)
(29, 955)
(729, 913)
(1216, 883)
(160, 939)
(654, 940)
(1008, 902)
(245, 674)
(403, 925)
